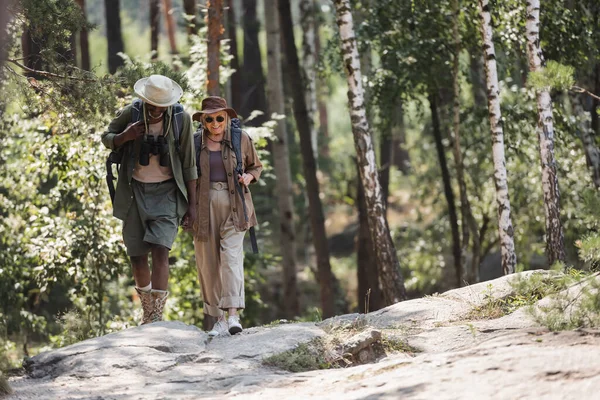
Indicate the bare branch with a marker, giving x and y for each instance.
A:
(49, 74)
(582, 90)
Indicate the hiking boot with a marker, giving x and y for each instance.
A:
(220, 328)
(159, 297)
(234, 324)
(147, 305)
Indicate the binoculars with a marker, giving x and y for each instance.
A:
(152, 146)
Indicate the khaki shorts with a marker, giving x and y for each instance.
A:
(152, 218)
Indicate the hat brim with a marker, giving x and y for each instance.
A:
(176, 94)
(198, 114)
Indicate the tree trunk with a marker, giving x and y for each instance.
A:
(555, 248)
(83, 41)
(167, 9)
(400, 155)
(323, 131)
(385, 253)
(154, 27)
(506, 232)
(281, 164)
(215, 30)
(254, 95)
(189, 7)
(370, 297)
(596, 102)
(477, 78)
(307, 22)
(113, 34)
(236, 77)
(4, 19)
(449, 194)
(317, 220)
(592, 153)
(465, 207)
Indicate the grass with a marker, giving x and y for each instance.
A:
(572, 309)
(330, 350)
(526, 292)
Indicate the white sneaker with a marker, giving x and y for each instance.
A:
(220, 328)
(234, 324)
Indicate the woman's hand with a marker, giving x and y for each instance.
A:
(245, 179)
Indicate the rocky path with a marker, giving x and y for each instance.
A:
(505, 358)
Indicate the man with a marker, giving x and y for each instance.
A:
(156, 188)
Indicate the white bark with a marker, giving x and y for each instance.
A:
(307, 21)
(283, 183)
(385, 253)
(509, 257)
(555, 249)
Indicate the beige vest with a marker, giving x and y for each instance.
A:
(153, 172)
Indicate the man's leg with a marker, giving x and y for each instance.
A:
(160, 267)
(141, 270)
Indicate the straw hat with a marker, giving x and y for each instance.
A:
(213, 104)
(158, 90)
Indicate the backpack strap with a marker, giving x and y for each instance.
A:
(236, 142)
(136, 110)
(177, 124)
(198, 147)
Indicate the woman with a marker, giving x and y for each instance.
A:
(220, 223)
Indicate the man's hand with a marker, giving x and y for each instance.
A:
(132, 132)
(188, 219)
(245, 179)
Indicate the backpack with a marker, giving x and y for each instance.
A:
(116, 156)
(236, 142)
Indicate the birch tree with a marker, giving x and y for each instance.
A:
(384, 251)
(555, 249)
(307, 21)
(215, 30)
(505, 227)
(281, 163)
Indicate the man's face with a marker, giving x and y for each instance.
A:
(155, 111)
(215, 122)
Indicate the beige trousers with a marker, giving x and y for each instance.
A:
(220, 260)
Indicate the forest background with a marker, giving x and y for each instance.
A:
(425, 66)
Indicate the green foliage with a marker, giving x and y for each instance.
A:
(552, 76)
(75, 328)
(305, 357)
(589, 250)
(526, 292)
(577, 307)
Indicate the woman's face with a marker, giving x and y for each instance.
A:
(215, 122)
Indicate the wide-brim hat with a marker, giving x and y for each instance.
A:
(158, 90)
(213, 104)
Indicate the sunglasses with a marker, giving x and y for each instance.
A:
(220, 118)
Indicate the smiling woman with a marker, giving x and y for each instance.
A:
(223, 218)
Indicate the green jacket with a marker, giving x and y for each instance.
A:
(183, 163)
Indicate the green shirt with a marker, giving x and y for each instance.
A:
(183, 163)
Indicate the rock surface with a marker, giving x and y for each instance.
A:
(505, 358)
